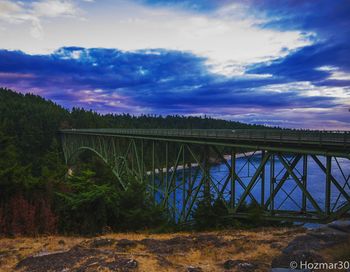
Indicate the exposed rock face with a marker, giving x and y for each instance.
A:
(232, 250)
(56, 261)
(287, 270)
(194, 269)
(101, 242)
(240, 265)
(227, 250)
(78, 259)
(307, 248)
(182, 243)
(125, 244)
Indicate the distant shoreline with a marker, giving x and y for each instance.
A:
(194, 165)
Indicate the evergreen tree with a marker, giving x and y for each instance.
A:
(33, 171)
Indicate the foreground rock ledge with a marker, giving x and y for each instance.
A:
(262, 249)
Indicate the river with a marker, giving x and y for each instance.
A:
(289, 196)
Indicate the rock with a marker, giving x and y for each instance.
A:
(315, 240)
(287, 270)
(240, 265)
(131, 264)
(101, 242)
(276, 245)
(305, 242)
(61, 242)
(247, 266)
(100, 264)
(284, 260)
(194, 269)
(343, 225)
(326, 233)
(56, 261)
(306, 247)
(181, 244)
(124, 244)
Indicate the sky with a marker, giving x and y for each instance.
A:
(278, 63)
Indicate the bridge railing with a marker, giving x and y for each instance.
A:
(295, 136)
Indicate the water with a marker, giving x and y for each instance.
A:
(288, 198)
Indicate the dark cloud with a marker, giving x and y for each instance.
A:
(168, 82)
(305, 63)
(329, 20)
(159, 80)
(322, 16)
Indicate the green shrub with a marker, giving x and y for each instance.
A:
(89, 207)
(209, 215)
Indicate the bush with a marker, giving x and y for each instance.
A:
(208, 215)
(85, 207)
(89, 207)
(138, 210)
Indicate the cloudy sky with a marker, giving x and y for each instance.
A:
(283, 63)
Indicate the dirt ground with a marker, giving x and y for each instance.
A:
(231, 250)
(236, 250)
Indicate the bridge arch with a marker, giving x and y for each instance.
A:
(75, 153)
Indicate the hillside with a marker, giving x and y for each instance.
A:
(32, 122)
(35, 194)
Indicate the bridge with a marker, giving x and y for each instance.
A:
(290, 175)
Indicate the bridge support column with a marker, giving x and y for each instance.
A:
(183, 180)
(166, 174)
(142, 161)
(233, 180)
(272, 183)
(262, 201)
(153, 170)
(328, 185)
(207, 193)
(304, 181)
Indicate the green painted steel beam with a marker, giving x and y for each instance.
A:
(252, 182)
(308, 195)
(242, 143)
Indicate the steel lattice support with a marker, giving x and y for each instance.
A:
(180, 172)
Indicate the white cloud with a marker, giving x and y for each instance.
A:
(326, 68)
(54, 8)
(13, 12)
(335, 72)
(16, 13)
(307, 89)
(229, 38)
(33, 13)
(340, 75)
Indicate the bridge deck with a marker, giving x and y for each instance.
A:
(321, 142)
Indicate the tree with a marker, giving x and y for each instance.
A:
(86, 207)
(208, 215)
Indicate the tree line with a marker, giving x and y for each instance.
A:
(36, 194)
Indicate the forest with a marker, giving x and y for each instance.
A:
(36, 194)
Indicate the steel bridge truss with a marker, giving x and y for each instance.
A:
(180, 173)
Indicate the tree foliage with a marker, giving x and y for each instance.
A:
(33, 176)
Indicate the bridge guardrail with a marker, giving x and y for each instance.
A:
(321, 137)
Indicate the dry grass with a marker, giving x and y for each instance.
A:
(13, 250)
(254, 246)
